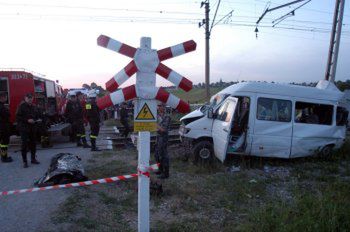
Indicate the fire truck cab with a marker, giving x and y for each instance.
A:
(17, 83)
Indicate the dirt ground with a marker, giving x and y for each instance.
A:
(31, 211)
(243, 195)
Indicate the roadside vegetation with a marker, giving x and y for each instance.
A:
(308, 194)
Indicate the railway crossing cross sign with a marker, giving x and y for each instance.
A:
(146, 64)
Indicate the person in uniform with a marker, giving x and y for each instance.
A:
(82, 119)
(93, 116)
(74, 114)
(124, 120)
(68, 114)
(161, 153)
(42, 126)
(5, 128)
(27, 118)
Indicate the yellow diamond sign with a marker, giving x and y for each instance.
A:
(145, 113)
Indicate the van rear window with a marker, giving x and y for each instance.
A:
(270, 109)
(342, 116)
(313, 113)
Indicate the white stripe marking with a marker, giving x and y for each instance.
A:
(121, 77)
(117, 97)
(175, 78)
(173, 101)
(177, 50)
(114, 45)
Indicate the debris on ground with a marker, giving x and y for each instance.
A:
(233, 169)
(64, 168)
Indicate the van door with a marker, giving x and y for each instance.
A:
(273, 127)
(222, 127)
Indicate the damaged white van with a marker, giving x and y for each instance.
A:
(267, 120)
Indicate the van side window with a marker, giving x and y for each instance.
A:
(226, 111)
(342, 116)
(270, 109)
(313, 113)
(4, 87)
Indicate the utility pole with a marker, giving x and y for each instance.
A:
(208, 28)
(335, 40)
(207, 38)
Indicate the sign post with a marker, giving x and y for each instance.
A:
(146, 64)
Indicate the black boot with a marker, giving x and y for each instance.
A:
(25, 164)
(4, 157)
(165, 173)
(93, 145)
(34, 160)
(79, 144)
(85, 144)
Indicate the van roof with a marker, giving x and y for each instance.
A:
(323, 91)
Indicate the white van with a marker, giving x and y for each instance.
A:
(267, 120)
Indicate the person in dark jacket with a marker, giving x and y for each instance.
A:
(93, 116)
(5, 127)
(42, 126)
(161, 153)
(74, 114)
(124, 120)
(27, 118)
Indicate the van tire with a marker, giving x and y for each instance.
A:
(326, 152)
(203, 152)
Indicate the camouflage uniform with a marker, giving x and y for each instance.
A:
(161, 154)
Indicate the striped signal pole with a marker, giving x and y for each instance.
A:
(146, 64)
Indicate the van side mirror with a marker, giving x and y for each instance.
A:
(210, 113)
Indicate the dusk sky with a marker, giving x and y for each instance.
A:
(58, 39)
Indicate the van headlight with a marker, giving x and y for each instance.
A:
(183, 130)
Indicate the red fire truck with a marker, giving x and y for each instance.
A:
(17, 83)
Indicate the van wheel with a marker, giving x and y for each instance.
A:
(203, 152)
(326, 152)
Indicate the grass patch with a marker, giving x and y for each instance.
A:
(327, 211)
(69, 207)
(296, 195)
(112, 168)
(195, 95)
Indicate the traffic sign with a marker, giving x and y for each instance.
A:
(145, 115)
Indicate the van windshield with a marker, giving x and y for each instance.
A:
(214, 102)
(217, 99)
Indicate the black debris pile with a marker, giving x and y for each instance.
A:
(64, 168)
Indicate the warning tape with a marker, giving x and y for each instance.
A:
(84, 183)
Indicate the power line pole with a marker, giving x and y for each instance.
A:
(335, 40)
(208, 28)
(207, 38)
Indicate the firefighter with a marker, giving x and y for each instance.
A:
(42, 126)
(93, 116)
(161, 153)
(82, 119)
(69, 115)
(27, 118)
(4, 128)
(74, 114)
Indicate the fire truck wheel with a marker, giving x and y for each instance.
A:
(203, 152)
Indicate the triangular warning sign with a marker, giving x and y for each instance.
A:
(145, 113)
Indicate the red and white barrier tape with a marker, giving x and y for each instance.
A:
(141, 171)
